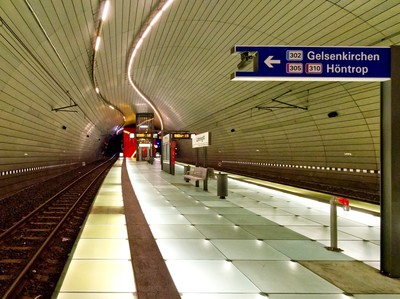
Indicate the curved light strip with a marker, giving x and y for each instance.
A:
(134, 52)
(104, 10)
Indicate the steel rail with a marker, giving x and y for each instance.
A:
(46, 203)
(11, 291)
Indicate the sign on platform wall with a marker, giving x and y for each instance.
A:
(181, 135)
(166, 150)
(166, 138)
(201, 140)
(143, 135)
(298, 63)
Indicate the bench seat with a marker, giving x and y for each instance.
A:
(196, 174)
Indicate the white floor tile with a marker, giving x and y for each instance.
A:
(360, 250)
(209, 276)
(175, 231)
(189, 249)
(94, 295)
(284, 277)
(99, 276)
(95, 249)
(248, 250)
(222, 296)
(104, 231)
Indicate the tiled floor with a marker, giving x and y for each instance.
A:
(243, 247)
(246, 246)
(101, 266)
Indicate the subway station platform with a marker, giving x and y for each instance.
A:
(256, 243)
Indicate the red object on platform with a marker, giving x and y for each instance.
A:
(343, 201)
(129, 143)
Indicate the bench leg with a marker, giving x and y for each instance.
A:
(197, 183)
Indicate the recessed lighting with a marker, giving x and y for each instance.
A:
(105, 10)
(97, 46)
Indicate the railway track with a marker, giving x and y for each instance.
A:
(34, 250)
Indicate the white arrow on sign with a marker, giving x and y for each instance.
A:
(269, 61)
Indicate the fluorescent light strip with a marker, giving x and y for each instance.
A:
(96, 47)
(104, 13)
(134, 52)
(305, 167)
(105, 10)
(14, 171)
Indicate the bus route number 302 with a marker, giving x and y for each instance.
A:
(294, 55)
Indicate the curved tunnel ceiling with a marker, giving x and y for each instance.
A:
(183, 67)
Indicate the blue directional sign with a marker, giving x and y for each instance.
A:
(296, 63)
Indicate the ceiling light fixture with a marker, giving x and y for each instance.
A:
(166, 5)
(156, 18)
(102, 16)
(96, 47)
(105, 10)
(146, 32)
(134, 52)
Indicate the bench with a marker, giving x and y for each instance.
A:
(197, 174)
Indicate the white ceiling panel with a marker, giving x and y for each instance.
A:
(183, 67)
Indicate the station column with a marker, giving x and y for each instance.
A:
(390, 169)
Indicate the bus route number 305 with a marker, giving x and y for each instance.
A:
(294, 68)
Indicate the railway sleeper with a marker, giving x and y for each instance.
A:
(54, 212)
(17, 248)
(33, 238)
(44, 223)
(39, 230)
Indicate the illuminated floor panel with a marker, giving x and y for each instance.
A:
(189, 249)
(99, 276)
(209, 276)
(248, 250)
(102, 249)
(77, 295)
(165, 218)
(305, 250)
(222, 296)
(284, 277)
(104, 231)
(106, 219)
(100, 266)
(245, 246)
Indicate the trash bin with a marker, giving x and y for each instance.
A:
(186, 169)
(222, 185)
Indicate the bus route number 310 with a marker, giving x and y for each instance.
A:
(314, 68)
